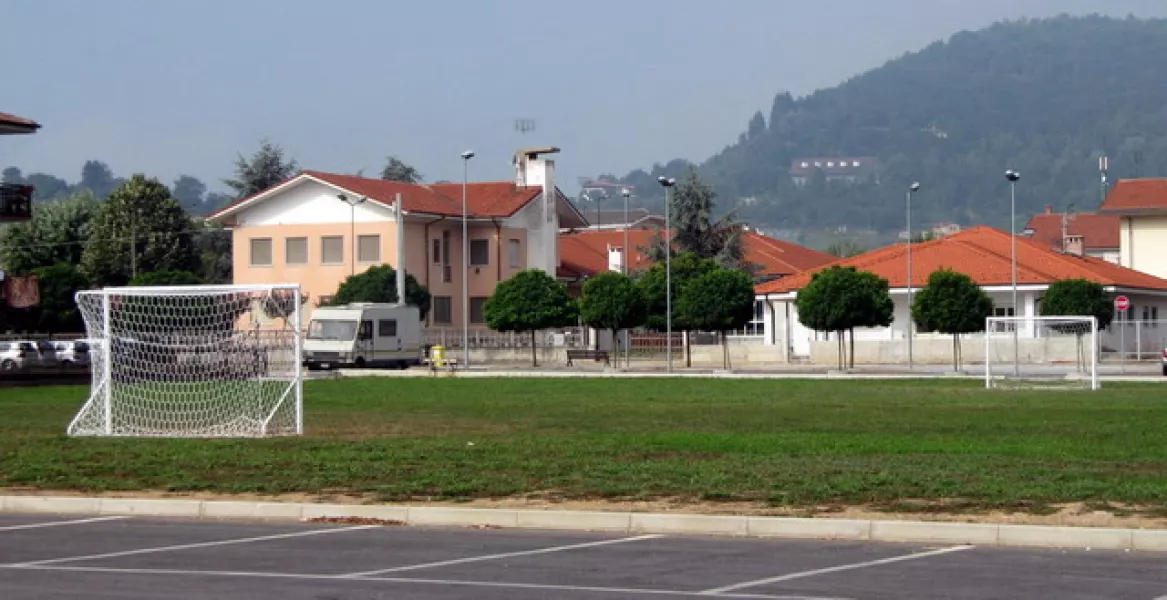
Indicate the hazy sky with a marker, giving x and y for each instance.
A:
(180, 86)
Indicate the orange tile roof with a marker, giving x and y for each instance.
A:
(1097, 231)
(984, 254)
(489, 199)
(17, 123)
(586, 252)
(1136, 195)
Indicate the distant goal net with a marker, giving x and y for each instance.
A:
(1041, 352)
(193, 361)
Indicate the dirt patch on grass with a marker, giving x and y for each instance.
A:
(1077, 514)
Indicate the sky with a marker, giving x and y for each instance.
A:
(184, 86)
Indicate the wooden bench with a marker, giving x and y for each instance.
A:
(596, 355)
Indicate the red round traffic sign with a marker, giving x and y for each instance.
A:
(1122, 303)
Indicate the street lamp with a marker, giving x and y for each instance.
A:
(1013, 176)
(915, 187)
(352, 204)
(668, 182)
(627, 193)
(466, 156)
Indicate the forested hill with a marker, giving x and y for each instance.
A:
(1045, 97)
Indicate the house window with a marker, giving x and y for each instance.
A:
(1154, 316)
(437, 252)
(1003, 311)
(1146, 313)
(515, 253)
(830, 163)
(805, 164)
(387, 328)
(477, 310)
(855, 164)
(332, 250)
(296, 251)
(442, 310)
(479, 253)
(261, 252)
(369, 248)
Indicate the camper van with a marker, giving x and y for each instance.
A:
(363, 335)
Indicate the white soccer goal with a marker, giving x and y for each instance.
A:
(1041, 352)
(193, 361)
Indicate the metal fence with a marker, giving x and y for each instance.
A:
(1134, 340)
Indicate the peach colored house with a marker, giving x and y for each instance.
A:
(303, 231)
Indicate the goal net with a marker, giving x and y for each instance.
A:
(193, 361)
(1041, 352)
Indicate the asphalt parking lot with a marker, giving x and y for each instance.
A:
(111, 557)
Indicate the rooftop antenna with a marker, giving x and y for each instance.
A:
(524, 126)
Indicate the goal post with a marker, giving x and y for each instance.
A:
(1041, 352)
(193, 361)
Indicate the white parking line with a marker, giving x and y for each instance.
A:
(280, 536)
(472, 559)
(407, 580)
(861, 565)
(58, 523)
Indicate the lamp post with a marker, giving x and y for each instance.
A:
(352, 205)
(1013, 176)
(915, 187)
(667, 182)
(466, 156)
(627, 193)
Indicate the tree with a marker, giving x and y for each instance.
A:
(396, 170)
(379, 284)
(57, 233)
(530, 301)
(57, 311)
(139, 228)
(97, 178)
(757, 126)
(611, 301)
(693, 229)
(653, 284)
(1078, 298)
(721, 301)
(951, 303)
(165, 277)
(266, 167)
(846, 249)
(214, 244)
(12, 175)
(189, 192)
(839, 299)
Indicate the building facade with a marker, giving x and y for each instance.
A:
(317, 229)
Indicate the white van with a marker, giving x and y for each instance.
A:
(363, 335)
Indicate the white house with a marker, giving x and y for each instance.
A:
(982, 253)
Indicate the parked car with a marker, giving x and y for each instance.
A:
(23, 356)
(73, 354)
(1163, 360)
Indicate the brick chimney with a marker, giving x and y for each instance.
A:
(1049, 209)
(1074, 244)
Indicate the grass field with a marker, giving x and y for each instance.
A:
(787, 443)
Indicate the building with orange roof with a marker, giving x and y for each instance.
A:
(1089, 234)
(984, 254)
(591, 251)
(1141, 208)
(301, 231)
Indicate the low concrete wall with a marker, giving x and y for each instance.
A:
(703, 356)
(938, 351)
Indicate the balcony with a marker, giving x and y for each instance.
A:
(15, 202)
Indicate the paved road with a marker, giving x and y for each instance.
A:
(73, 558)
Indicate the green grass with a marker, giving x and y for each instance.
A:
(791, 443)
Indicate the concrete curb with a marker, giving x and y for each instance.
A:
(921, 532)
